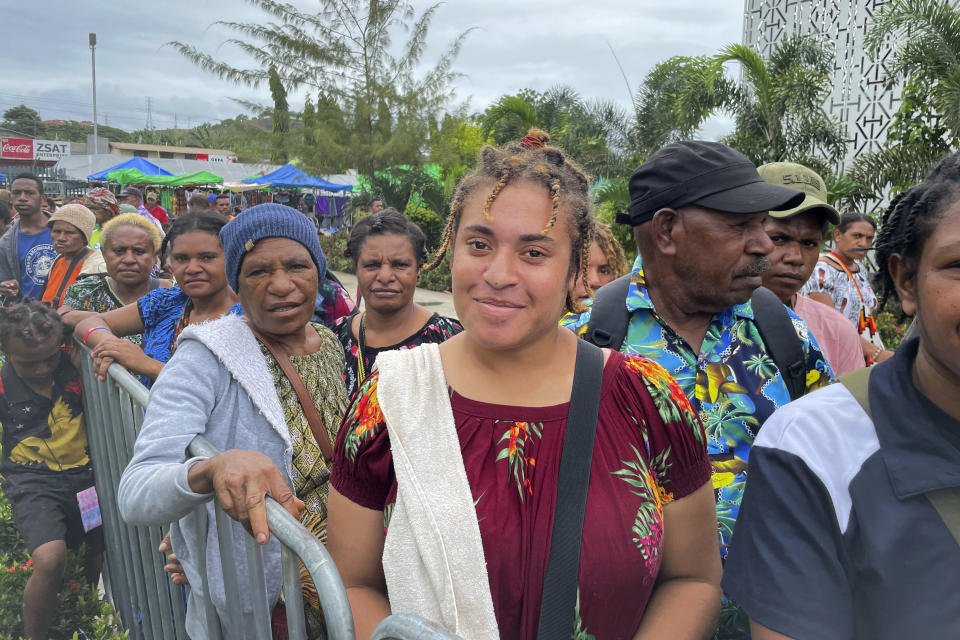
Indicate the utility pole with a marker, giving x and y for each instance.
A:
(149, 125)
(93, 73)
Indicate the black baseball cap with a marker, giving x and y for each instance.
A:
(707, 174)
(132, 191)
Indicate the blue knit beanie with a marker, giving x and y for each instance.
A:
(268, 220)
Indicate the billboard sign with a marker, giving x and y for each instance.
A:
(16, 148)
(50, 149)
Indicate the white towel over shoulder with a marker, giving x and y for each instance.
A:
(433, 557)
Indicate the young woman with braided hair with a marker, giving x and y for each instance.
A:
(445, 484)
(850, 511)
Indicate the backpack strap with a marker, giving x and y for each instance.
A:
(946, 501)
(609, 317)
(781, 339)
(858, 384)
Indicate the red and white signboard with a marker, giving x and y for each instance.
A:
(28, 149)
(215, 158)
(16, 148)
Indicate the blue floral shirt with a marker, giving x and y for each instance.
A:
(160, 310)
(733, 382)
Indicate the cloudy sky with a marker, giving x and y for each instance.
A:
(517, 44)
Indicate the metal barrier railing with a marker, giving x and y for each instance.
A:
(150, 605)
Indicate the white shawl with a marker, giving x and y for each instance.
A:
(433, 557)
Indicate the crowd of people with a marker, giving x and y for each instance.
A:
(590, 448)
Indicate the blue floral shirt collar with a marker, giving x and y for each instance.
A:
(639, 298)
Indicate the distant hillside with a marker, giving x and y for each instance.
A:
(73, 131)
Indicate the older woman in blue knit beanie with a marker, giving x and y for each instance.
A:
(265, 388)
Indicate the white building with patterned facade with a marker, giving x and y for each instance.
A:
(859, 99)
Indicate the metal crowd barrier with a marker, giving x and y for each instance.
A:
(153, 608)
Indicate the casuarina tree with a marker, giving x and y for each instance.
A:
(281, 117)
(345, 50)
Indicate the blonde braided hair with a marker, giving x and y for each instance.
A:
(534, 161)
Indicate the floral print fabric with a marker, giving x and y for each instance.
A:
(732, 382)
(320, 372)
(160, 311)
(93, 293)
(650, 450)
(834, 282)
(437, 329)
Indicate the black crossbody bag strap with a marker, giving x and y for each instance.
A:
(781, 339)
(609, 317)
(573, 479)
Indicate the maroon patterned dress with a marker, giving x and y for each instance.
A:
(650, 450)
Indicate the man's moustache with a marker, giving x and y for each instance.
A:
(755, 268)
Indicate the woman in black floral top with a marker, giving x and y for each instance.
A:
(388, 250)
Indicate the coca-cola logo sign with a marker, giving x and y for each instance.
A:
(16, 148)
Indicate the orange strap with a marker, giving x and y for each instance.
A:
(863, 303)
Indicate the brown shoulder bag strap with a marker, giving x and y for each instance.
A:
(306, 402)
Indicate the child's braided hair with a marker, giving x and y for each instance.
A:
(911, 219)
(32, 322)
(533, 161)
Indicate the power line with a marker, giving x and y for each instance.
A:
(80, 107)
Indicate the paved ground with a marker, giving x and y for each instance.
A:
(438, 301)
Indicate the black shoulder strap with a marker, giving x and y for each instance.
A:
(781, 339)
(559, 598)
(609, 317)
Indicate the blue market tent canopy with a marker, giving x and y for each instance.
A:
(289, 177)
(144, 166)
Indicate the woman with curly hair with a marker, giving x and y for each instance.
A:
(607, 261)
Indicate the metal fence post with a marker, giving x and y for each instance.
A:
(151, 607)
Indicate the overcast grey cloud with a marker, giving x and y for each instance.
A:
(517, 44)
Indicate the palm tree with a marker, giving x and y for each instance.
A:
(926, 44)
(592, 132)
(926, 35)
(675, 99)
(777, 106)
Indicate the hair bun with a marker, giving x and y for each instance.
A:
(535, 138)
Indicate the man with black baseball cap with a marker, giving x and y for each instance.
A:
(697, 211)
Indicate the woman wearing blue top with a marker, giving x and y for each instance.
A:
(195, 256)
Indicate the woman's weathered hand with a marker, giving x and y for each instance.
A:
(241, 479)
